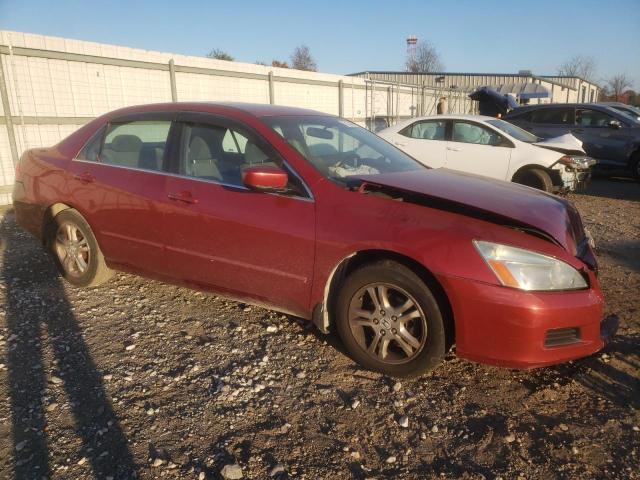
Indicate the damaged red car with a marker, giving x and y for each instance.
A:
(312, 215)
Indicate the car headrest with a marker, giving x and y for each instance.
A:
(126, 143)
(198, 149)
(253, 154)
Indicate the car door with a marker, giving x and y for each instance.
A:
(608, 142)
(476, 148)
(425, 141)
(220, 234)
(549, 122)
(118, 182)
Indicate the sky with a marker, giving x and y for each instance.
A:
(482, 36)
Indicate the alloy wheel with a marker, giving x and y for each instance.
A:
(72, 249)
(387, 323)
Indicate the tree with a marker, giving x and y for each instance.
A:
(301, 59)
(605, 94)
(220, 55)
(579, 66)
(424, 59)
(618, 84)
(279, 64)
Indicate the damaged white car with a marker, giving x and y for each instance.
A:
(494, 148)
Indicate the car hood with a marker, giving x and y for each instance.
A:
(485, 198)
(566, 143)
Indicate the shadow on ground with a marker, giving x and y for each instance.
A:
(39, 318)
(618, 188)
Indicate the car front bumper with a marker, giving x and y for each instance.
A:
(517, 329)
(574, 180)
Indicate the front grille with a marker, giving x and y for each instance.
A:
(560, 337)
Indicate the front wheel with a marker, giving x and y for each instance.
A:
(535, 178)
(75, 250)
(389, 320)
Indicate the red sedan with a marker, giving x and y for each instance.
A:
(312, 215)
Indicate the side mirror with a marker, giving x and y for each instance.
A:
(265, 178)
(614, 124)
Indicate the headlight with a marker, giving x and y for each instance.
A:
(580, 162)
(527, 270)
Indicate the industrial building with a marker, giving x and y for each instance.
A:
(527, 87)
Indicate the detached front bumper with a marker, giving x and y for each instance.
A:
(517, 329)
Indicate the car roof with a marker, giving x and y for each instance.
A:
(254, 109)
(561, 105)
(447, 116)
(267, 110)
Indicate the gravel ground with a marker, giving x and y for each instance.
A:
(138, 378)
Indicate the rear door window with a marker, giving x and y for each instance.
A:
(524, 116)
(136, 144)
(553, 116)
(426, 130)
(91, 151)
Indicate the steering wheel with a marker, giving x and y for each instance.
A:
(350, 159)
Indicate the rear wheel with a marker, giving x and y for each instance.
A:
(75, 250)
(390, 321)
(535, 178)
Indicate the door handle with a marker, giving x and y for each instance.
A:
(85, 177)
(452, 149)
(400, 144)
(184, 197)
(577, 130)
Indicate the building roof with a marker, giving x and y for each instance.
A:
(546, 78)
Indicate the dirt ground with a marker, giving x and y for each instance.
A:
(141, 379)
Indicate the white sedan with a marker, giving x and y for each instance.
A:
(494, 148)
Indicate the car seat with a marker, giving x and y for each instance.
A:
(200, 162)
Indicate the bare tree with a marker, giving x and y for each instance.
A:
(618, 84)
(425, 59)
(301, 59)
(220, 55)
(279, 64)
(579, 66)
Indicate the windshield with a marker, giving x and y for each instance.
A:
(340, 149)
(515, 132)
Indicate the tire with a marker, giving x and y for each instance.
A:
(360, 323)
(535, 178)
(75, 250)
(635, 166)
